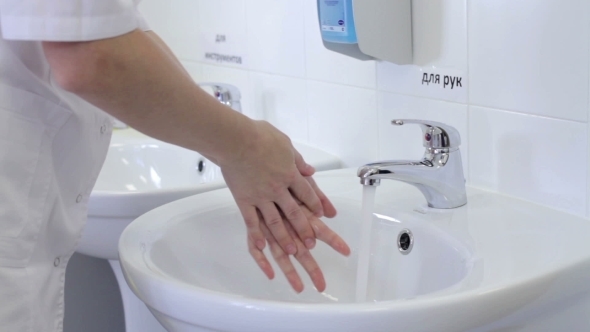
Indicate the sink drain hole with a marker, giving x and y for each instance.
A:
(201, 166)
(405, 241)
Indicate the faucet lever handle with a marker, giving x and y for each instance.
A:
(436, 135)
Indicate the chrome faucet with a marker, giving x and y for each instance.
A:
(227, 94)
(439, 175)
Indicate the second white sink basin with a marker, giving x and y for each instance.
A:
(496, 264)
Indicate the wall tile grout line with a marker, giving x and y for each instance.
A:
(528, 114)
(467, 31)
(305, 74)
(588, 124)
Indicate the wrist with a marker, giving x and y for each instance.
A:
(245, 137)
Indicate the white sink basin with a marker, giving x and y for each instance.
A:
(496, 264)
(208, 250)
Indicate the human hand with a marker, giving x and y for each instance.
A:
(303, 255)
(267, 180)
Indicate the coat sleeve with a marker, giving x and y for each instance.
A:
(68, 20)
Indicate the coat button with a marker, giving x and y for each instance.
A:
(56, 262)
(79, 199)
(103, 129)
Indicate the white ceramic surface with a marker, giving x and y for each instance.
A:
(139, 174)
(496, 264)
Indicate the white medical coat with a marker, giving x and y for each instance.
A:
(52, 146)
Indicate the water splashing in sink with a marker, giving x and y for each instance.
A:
(362, 273)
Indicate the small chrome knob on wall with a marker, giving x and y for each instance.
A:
(439, 175)
(227, 94)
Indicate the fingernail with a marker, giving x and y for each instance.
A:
(260, 244)
(319, 214)
(310, 243)
(291, 250)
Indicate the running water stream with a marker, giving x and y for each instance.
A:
(362, 272)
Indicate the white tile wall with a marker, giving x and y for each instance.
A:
(221, 18)
(277, 42)
(158, 13)
(522, 109)
(344, 125)
(532, 157)
(175, 22)
(281, 101)
(530, 56)
(194, 69)
(181, 28)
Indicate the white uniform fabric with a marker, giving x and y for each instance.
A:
(52, 146)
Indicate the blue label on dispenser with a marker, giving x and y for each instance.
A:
(337, 21)
(333, 16)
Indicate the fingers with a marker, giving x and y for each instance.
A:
(304, 168)
(328, 236)
(274, 222)
(260, 258)
(296, 217)
(328, 207)
(310, 265)
(303, 256)
(303, 191)
(283, 261)
(252, 221)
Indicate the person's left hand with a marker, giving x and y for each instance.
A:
(303, 255)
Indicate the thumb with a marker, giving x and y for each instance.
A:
(304, 168)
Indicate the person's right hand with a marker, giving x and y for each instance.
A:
(267, 180)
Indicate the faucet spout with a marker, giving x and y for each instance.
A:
(439, 177)
(371, 174)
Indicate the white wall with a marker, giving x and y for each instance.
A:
(522, 109)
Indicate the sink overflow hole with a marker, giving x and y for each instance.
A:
(405, 241)
(201, 166)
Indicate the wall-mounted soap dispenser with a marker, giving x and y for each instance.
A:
(368, 29)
